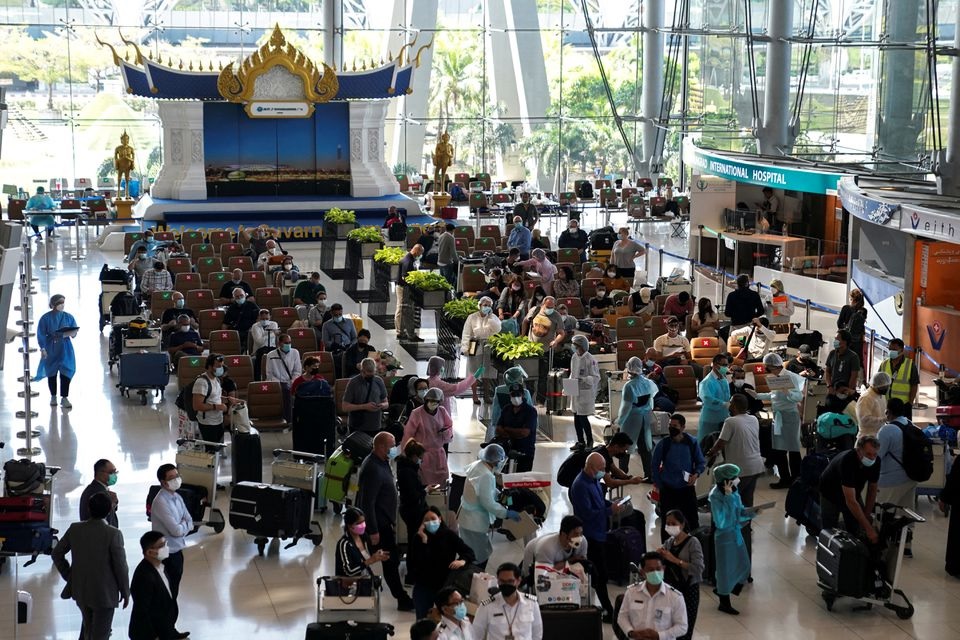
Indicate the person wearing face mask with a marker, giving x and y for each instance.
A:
(365, 399)
(894, 485)
(729, 518)
(636, 412)
(676, 464)
(241, 315)
(842, 487)
(853, 319)
(872, 405)
(314, 411)
(534, 305)
(147, 244)
(517, 427)
(156, 279)
(512, 306)
(185, 341)
(377, 498)
(542, 265)
(263, 337)
(520, 238)
(477, 329)
(545, 327)
(454, 623)
(306, 292)
(573, 237)
(526, 210)
(104, 477)
(566, 285)
(683, 565)
(284, 366)
(739, 384)
(904, 376)
(319, 314)
(170, 318)
(55, 332)
(338, 334)
(785, 404)
(140, 265)
(354, 558)
(431, 426)
(714, 393)
(652, 610)
(624, 253)
(356, 353)
(435, 551)
(568, 323)
(754, 340)
(594, 512)
(403, 319)
(271, 251)
(154, 613)
(236, 280)
(501, 398)
(743, 304)
(417, 391)
(208, 399)
(614, 281)
(436, 369)
(411, 490)
(480, 505)
(287, 273)
(567, 546)
(780, 307)
(840, 372)
(600, 302)
(672, 348)
(96, 575)
(508, 614)
(169, 517)
(680, 305)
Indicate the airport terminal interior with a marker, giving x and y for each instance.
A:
(811, 145)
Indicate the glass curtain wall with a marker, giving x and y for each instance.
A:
(547, 120)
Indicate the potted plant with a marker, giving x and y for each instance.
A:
(455, 314)
(369, 238)
(386, 264)
(508, 350)
(338, 223)
(430, 289)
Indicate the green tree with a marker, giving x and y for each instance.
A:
(44, 60)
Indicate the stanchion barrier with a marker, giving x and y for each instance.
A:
(77, 256)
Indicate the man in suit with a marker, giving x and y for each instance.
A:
(104, 477)
(154, 611)
(98, 578)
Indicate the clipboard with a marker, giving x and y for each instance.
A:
(525, 527)
(779, 383)
(571, 387)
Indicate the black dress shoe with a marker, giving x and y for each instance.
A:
(607, 617)
(180, 635)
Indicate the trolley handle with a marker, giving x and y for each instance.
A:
(207, 443)
(302, 455)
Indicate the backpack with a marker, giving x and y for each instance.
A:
(917, 453)
(602, 239)
(24, 476)
(124, 304)
(138, 328)
(834, 425)
(586, 191)
(571, 467)
(184, 399)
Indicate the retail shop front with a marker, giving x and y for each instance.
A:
(805, 244)
(905, 253)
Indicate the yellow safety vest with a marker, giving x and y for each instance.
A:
(900, 387)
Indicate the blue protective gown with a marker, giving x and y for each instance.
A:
(733, 561)
(59, 347)
(634, 420)
(786, 413)
(714, 392)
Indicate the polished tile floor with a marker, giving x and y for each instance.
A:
(228, 589)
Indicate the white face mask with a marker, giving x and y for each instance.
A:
(59, 307)
(576, 542)
(516, 401)
(673, 529)
(163, 553)
(739, 383)
(174, 484)
(184, 328)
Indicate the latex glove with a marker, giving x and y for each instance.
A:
(43, 353)
(513, 515)
(479, 371)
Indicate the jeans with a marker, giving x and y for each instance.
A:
(391, 567)
(597, 556)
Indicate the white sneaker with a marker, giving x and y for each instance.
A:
(65, 403)
(53, 401)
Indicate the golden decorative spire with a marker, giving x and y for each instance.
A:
(116, 57)
(191, 65)
(181, 63)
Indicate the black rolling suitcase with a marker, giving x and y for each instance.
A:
(556, 401)
(617, 631)
(843, 564)
(358, 444)
(707, 543)
(585, 623)
(348, 631)
(269, 510)
(247, 456)
(624, 546)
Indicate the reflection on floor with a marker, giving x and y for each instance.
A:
(228, 589)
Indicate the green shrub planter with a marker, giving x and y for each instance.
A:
(338, 231)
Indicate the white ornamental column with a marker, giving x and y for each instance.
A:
(182, 172)
(369, 174)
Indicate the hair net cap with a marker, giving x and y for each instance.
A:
(581, 341)
(434, 394)
(772, 360)
(514, 374)
(492, 454)
(727, 471)
(645, 295)
(634, 366)
(485, 300)
(56, 299)
(435, 366)
(880, 379)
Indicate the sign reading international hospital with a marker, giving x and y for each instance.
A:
(764, 175)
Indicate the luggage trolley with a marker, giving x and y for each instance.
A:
(883, 572)
(300, 470)
(198, 462)
(354, 599)
(34, 534)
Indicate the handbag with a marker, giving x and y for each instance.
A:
(240, 418)
(348, 589)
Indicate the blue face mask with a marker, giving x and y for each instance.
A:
(393, 452)
(867, 462)
(338, 318)
(836, 344)
(486, 310)
(460, 611)
(431, 526)
(600, 474)
(894, 355)
(549, 311)
(654, 577)
(218, 372)
(285, 348)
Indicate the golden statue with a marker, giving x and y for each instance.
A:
(442, 159)
(123, 162)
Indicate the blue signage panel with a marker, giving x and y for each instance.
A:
(865, 207)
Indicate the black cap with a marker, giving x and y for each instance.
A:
(516, 389)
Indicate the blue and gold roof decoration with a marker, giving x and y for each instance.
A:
(148, 78)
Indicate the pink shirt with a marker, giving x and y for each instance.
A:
(432, 431)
